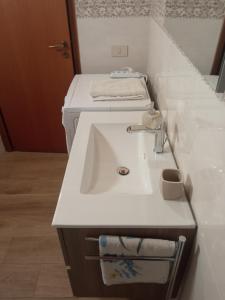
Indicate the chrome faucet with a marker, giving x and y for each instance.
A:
(160, 134)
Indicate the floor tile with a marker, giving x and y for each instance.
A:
(18, 280)
(35, 227)
(53, 282)
(31, 172)
(4, 245)
(6, 226)
(31, 186)
(27, 205)
(34, 250)
(27, 215)
(21, 163)
(17, 226)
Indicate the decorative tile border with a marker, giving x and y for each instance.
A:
(195, 8)
(158, 9)
(142, 8)
(112, 8)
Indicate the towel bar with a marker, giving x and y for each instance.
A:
(175, 261)
(175, 267)
(109, 257)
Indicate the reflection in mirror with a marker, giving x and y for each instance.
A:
(220, 88)
(198, 28)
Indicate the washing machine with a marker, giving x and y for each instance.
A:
(78, 99)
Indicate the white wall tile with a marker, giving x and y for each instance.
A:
(196, 127)
(97, 36)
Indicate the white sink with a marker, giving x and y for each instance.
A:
(93, 194)
(111, 147)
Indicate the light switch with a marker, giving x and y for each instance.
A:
(119, 51)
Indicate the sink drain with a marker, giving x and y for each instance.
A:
(123, 171)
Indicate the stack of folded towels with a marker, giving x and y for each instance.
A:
(118, 89)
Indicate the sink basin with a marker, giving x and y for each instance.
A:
(112, 177)
(111, 153)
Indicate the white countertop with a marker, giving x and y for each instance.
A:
(75, 209)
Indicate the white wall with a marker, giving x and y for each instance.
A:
(97, 35)
(198, 38)
(196, 127)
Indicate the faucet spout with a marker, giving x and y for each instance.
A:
(159, 135)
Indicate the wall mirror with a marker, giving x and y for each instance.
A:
(198, 28)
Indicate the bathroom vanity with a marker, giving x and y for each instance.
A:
(95, 199)
(85, 275)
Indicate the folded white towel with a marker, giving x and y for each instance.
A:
(132, 88)
(135, 271)
(119, 98)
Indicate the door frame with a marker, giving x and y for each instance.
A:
(4, 135)
(72, 24)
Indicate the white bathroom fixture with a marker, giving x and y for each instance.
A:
(78, 99)
(109, 166)
(112, 178)
(159, 132)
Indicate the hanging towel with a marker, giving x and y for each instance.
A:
(118, 89)
(135, 271)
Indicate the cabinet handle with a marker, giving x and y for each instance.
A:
(68, 268)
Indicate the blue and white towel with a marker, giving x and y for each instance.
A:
(135, 271)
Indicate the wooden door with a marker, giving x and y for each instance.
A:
(34, 77)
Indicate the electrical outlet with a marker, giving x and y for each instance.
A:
(119, 51)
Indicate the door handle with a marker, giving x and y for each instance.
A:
(59, 46)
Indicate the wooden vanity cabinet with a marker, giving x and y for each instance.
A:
(85, 276)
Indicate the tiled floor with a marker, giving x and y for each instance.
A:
(31, 263)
